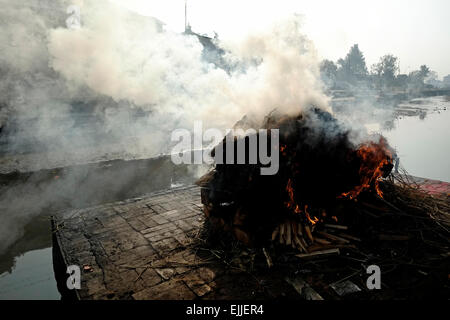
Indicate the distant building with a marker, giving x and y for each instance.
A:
(434, 83)
(211, 52)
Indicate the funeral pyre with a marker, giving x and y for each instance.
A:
(325, 185)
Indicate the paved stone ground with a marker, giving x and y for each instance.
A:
(433, 187)
(139, 249)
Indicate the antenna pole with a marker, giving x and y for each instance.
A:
(185, 15)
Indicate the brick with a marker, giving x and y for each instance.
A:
(159, 219)
(158, 209)
(129, 275)
(125, 258)
(136, 224)
(129, 241)
(184, 225)
(168, 290)
(171, 215)
(145, 251)
(188, 213)
(93, 286)
(148, 221)
(196, 283)
(182, 239)
(149, 276)
(207, 274)
(166, 227)
(166, 245)
(165, 273)
(162, 234)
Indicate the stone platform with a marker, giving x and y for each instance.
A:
(433, 187)
(140, 249)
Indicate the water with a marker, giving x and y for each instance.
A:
(32, 278)
(423, 144)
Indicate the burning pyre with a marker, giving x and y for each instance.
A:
(332, 207)
(320, 168)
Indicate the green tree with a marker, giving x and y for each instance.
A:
(328, 72)
(386, 70)
(353, 68)
(417, 77)
(424, 71)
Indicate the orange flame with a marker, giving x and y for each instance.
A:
(283, 149)
(313, 221)
(291, 204)
(373, 158)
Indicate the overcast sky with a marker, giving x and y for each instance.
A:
(416, 31)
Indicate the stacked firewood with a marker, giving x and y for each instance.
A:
(312, 240)
(319, 167)
(293, 234)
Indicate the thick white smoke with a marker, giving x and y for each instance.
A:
(117, 55)
(75, 92)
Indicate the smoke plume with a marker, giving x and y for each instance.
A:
(117, 85)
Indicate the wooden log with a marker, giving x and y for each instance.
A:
(333, 237)
(304, 243)
(268, 258)
(349, 237)
(335, 226)
(318, 253)
(321, 241)
(294, 234)
(303, 288)
(321, 247)
(299, 229)
(309, 234)
(275, 233)
(299, 244)
(282, 232)
(288, 233)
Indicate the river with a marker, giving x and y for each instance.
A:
(423, 145)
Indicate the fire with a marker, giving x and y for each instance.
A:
(374, 157)
(283, 149)
(291, 204)
(313, 221)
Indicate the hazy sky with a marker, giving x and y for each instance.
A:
(416, 31)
